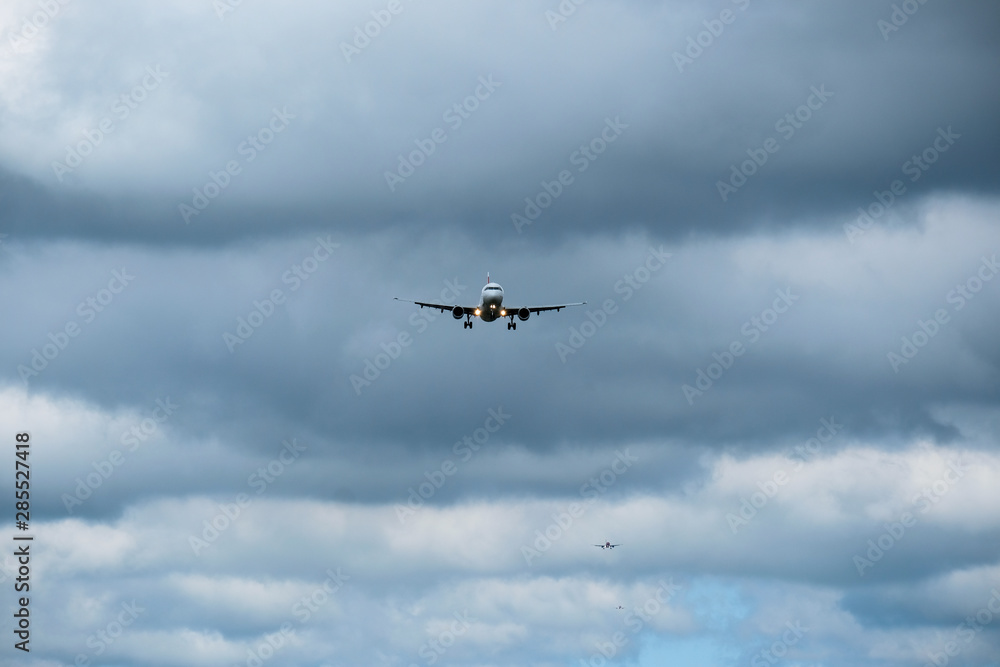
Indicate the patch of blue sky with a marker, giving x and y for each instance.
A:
(715, 604)
(656, 651)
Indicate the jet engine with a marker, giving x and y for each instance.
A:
(523, 313)
(458, 312)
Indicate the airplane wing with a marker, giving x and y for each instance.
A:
(468, 310)
(538, 309)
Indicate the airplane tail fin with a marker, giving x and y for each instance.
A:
(487, 277)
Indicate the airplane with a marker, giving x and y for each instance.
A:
(491, 307)
(607, 545)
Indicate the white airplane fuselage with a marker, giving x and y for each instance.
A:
(491, 303)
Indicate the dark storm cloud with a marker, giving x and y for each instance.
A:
(845, 108)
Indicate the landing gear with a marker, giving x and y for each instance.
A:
(512, 324)
(467, 324)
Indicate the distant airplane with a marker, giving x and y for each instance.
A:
(607, 545)
(490, 307)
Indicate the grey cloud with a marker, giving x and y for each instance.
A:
(247, 144)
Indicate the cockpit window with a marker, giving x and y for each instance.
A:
(490, 289)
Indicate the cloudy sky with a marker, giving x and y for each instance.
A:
(782, 397)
